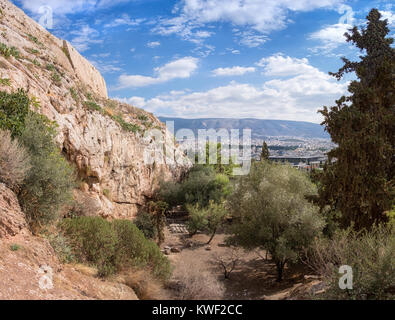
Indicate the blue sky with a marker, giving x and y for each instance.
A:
(265, 59)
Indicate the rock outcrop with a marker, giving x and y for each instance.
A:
(105, 139)
(30, 270)
(12, 219)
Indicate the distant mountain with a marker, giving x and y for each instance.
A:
(260, 128)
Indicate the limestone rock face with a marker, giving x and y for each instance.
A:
(12, 219)
(108, 142)
(87, 73)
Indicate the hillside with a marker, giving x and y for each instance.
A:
(260, 128)
(103, 138)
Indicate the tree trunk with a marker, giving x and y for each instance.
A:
(280, 271)
(212, 236)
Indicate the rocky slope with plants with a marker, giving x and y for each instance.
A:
(30, 269)
(105, 139)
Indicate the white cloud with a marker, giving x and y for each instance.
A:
(279, 65)
(153, 44)
(297, 97)
(178, 69)
(105, 67)
(233, 71)
(259, 16)
(124, 20)
(390, 16)
(60, 7)
(332, 36)
(84, 37)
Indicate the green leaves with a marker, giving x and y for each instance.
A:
(14, 108)
(360, 184)
(270, 210)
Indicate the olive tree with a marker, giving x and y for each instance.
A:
(270, 211)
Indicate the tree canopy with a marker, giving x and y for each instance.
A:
(360, 183)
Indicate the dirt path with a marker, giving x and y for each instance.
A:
(254, 277)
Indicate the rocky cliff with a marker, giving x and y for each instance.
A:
(30, 269)
(105, 139)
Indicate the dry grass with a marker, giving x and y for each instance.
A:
(85, 270)
(14, 160)
(195, 281)
(143, 283)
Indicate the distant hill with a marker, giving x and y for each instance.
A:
(260, 128)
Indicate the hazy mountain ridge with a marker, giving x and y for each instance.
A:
(260, 128)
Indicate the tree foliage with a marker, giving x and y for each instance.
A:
(265, 152)
(200, 186)
(207, 219)
(360, 184)
(271, 211)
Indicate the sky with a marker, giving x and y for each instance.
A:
(265, 59)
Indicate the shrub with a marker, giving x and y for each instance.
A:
(61, 247)
(14, 161)
(126, 125)
(92, 240)
(196, 282)
(371, 256)
(113, 246)
(33, 38)
(143, 284)
(91, 105)
(49, 183)
(15, 247)
(50, 67)
(144, 221)
(74, 95)
(5, 82)
(14, 108)
(56, 78)
(133, 248)
(8, 52)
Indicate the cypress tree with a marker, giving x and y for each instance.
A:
(360, 184)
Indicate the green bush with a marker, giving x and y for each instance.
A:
(134, 249)
(92, 240)
(130, 127)
(369, 254)
(91, 105)
(14, 108)
(56, 78)
(49, 183)
(200, 186)
(8, 52)
(15, 247)
(144, 221)
(113, 246)
(5, 82)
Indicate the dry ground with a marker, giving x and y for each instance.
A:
(254, 277)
